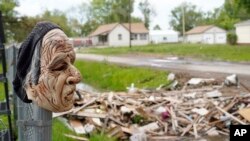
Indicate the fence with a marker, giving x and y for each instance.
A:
(32, 122)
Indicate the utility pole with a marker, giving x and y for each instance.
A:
(129, 24)
(183, 21)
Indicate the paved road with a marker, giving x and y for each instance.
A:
(173, 63)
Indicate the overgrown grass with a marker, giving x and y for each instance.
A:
(58, 131)
(200, 51)
(105, 76)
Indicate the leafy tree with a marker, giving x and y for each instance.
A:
(228, 15)
(100, 12)
(57, 17)
(23, 27)
(193, 17)
(231, 38)
(9, 16)
(147, 11)
(157, 27)
(244, 4)
(109, 11)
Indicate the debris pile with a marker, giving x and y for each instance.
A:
(141, 115)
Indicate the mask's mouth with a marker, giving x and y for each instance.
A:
(67, 98)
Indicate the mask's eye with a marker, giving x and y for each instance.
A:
(60, 67)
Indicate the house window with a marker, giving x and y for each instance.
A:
(119, 36)
(133, 36)
(164, 38)
(143, 36)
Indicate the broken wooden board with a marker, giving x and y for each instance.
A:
(245, 113)
(77, 126)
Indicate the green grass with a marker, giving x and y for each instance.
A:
(100, 137)
(199, 51)
(58, 131)
(109, 77)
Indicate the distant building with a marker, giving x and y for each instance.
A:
(117, 34)
(209, 34)
(243, 32)
(163, 36)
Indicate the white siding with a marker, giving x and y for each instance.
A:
(194, 38)
(95, 40)
(243, 33)
(214, 35)
(163, 38)
(140, 41)
(208, 38)
(221, 38)
(113, 36)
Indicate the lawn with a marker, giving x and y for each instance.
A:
(110, 77)
(198, 51)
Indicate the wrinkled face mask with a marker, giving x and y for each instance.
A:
(58, 77)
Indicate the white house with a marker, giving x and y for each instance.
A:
(163, 36)
(209, 34)
(243, 32)
(117, 34)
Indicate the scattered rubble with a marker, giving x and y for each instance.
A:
(151, 115)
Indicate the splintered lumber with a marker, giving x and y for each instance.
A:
(85, 105)
(230, 115)
(76, 137)
(157, 138)
(92, 115)
(160, 115)
(62, 113)
(245, 113)
(116, 132)
(77, 126)
(150, 127)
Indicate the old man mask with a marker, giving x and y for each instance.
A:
(51, 78)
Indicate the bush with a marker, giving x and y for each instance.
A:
(231, 38)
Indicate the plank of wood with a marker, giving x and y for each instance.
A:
(77, 126)
(230, 115)
(85, 105)
(245, 113)
(76, 137)
(92, 115)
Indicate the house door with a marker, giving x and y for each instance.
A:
(209, 39)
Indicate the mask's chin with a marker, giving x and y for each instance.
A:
(65, 104)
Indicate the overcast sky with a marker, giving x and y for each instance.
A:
(162, 7)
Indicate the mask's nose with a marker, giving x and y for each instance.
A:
(75, 76)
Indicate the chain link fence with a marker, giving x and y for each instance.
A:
(31, 122)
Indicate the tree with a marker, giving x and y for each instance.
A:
(57, 17)
(193, 17)
(100, 12)
(109, 11)
(23, 27)
(157, 27)
(147, 12)
(228, 15)
(243, 4)
(9, 16)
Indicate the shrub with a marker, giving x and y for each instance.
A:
(231, 38)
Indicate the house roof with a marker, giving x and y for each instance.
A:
(105, 29)
(137, 27)
(244, 23)
(199, 29)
